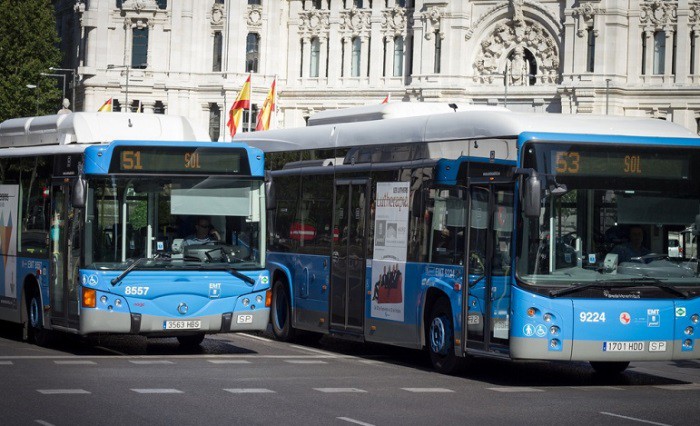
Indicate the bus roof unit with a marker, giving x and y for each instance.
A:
(94, 127)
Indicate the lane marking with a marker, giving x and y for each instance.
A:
(428, 390)
(357, 422)
(44, 422)
(305, 361)
(249, 390)
(75, 362)
(262, 339)
(596, 388)
(62, 391)
(312, 350)
(515, 389)
(156, 391)
(689, 386)
(150, 362)
(340, 390)
(649, 422)
(228, 361)
(5, 362)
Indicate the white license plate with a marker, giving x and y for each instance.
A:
(623, 346)
(657, 346)
(244, 319)
(182, 325)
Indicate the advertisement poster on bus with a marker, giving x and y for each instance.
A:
(390, 242)
(8, 242)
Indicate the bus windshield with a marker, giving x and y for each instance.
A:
(174, 222)
(617, 219)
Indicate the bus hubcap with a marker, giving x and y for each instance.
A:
(438, 336)
(34, 313)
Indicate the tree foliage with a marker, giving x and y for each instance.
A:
(28, 47)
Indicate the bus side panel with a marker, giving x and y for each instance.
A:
(309, 288)
(530, 337)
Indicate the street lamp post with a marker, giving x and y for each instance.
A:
(36, 92)
(607, 95)
(113, 67)
(74, 75)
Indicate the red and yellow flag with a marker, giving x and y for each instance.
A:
(235, 114)
(106, 107)
(268, 108)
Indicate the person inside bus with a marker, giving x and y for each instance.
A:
(203, 232)
(634, 247)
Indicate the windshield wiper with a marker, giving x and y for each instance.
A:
(233, 271)
(632, 282)
(126, 271)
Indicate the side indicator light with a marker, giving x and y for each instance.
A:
(268, 298)
(89, 298)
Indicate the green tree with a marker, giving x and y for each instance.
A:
(28, 47)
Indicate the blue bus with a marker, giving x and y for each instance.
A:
(476, 231)
(101, 219)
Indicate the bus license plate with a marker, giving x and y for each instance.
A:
(182, 325)
(623, 346)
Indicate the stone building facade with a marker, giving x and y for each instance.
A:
(623, 57)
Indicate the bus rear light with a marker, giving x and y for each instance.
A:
(268, 298)
(89, 298)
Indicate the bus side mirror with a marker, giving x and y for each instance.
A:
(532, 195)
(696, 231)
(270, 198)
(79, 191)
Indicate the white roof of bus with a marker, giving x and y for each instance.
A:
(94, 127)
(475, 124)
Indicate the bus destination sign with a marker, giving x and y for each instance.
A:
(176, 160)
(619, 164)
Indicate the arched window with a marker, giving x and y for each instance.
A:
(218, 50)
(398, 56)
(252, 52)
(139, 47)
(659, 52)
(355, 59)
(315, 57)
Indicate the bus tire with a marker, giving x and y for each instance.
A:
(35, 320)
(609, 368)
(440, 339)
(281, 313)
(191, 341)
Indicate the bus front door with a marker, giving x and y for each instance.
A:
(347, 295)
(489, 262)
(65, 257)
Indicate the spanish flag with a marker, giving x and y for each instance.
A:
(106, 107)
(267, 109)
(235, 114)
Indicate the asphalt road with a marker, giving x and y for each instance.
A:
(251, 379)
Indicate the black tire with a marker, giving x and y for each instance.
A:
(609, 368)
(440, 339)
(281, 313)
(35, 320)
(191, 341)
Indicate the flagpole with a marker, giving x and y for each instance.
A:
(250, 104)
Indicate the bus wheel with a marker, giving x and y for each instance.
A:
(37, 333)
(191, 341)
(441, 339)
(609, 368)
(281, 313)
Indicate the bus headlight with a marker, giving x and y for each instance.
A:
(103, 299)
(554, 330)
(689, 330)
(246, 302)
(547, 317)
(695, 318)
(118, 302)
(258, 298)
(687, 343)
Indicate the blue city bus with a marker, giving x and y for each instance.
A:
(100, 218)
(476, 231)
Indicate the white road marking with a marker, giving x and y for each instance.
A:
(634, 419)
(250, 390)
(357, 422)
(62, 391)
(150, 362)
(75, 362)
(686, 387)
(156, 391)
(428, 390)
(595, 388)
(305, 361)
(44, 422)
(5, 362)
(340, 390)
(229, 361)
(262, 339)
(312, 350)
(515, 389)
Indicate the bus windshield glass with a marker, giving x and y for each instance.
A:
(611, 215)
(174, 222)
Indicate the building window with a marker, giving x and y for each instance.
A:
(356, 51)
(249, 121)
(218, 51)
(301, 58)
(258, 2)
(342, 58)
(251, 52)
(590, 59)
(162, 4)
(659, 52)
(386, 45)
(357, 3)
(644, 53)
(315, 57)
(136, 106)
(316, 4)
(214, 122)
(139, 48)
(159, 107)
(409, 59)
(398, 56)
(438, 52)
(692, 52)
(116, 105)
